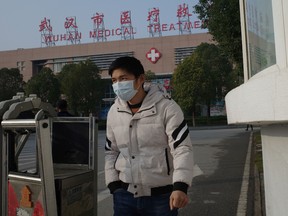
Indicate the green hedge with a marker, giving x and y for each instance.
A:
(204, 121)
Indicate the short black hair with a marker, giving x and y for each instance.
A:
(62, 104)
(130, 64)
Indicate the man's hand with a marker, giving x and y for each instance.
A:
(178, 199)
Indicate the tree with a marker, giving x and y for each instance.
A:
(149, 76)
(11, 82)
(202, 78)
(82, 85)
(45, 85)
(222, 18)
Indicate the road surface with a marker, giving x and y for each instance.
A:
(222, 155)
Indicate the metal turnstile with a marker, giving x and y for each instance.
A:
(50, 164)
(4, 106)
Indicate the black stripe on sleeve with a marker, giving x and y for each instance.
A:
(178, 142)
(177, 130)
(108, 145)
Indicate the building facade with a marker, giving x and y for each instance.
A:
(160, 55)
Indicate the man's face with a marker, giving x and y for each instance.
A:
(120, 75)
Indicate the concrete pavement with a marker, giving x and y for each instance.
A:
(217, 186)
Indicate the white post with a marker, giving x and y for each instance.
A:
(275, 162)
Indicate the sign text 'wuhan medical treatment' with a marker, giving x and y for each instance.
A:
(183, 25)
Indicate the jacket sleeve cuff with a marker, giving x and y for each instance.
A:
(114, 186)
(180, 186)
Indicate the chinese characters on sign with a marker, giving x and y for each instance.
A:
(154, 22)
(98, 27)
(155, 28)
(72, 33)
(98, 19)
(125, 30)
(183, 11)
(125, 18)
(70, 23)
(45, 25)
(153, 15)
(46, 32)
(184, 19)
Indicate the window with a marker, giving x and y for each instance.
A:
(260, 35)
(21, 65)
(58, 64)
(182, 53)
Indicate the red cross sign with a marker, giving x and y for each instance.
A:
(153, 55)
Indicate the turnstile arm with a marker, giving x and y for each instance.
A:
(28, 105)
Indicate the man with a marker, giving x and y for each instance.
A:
(249, 125)
(62, 107)
(149, 158)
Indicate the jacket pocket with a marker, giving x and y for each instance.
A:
(116, 160)
(121, 163)
(167, 161)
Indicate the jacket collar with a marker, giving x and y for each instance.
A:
(155, 93)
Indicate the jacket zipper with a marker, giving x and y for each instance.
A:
(167, 161)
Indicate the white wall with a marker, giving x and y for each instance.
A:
(275, 148)
(261, 100)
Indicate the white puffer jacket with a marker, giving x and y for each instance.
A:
(149, 149)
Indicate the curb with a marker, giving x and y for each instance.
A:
(257, 193)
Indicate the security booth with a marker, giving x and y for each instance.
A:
(50, 162)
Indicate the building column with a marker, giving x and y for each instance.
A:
(275, 162)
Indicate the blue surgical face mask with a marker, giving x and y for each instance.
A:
(125, 90)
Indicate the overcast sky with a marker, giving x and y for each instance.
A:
(20, 20)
